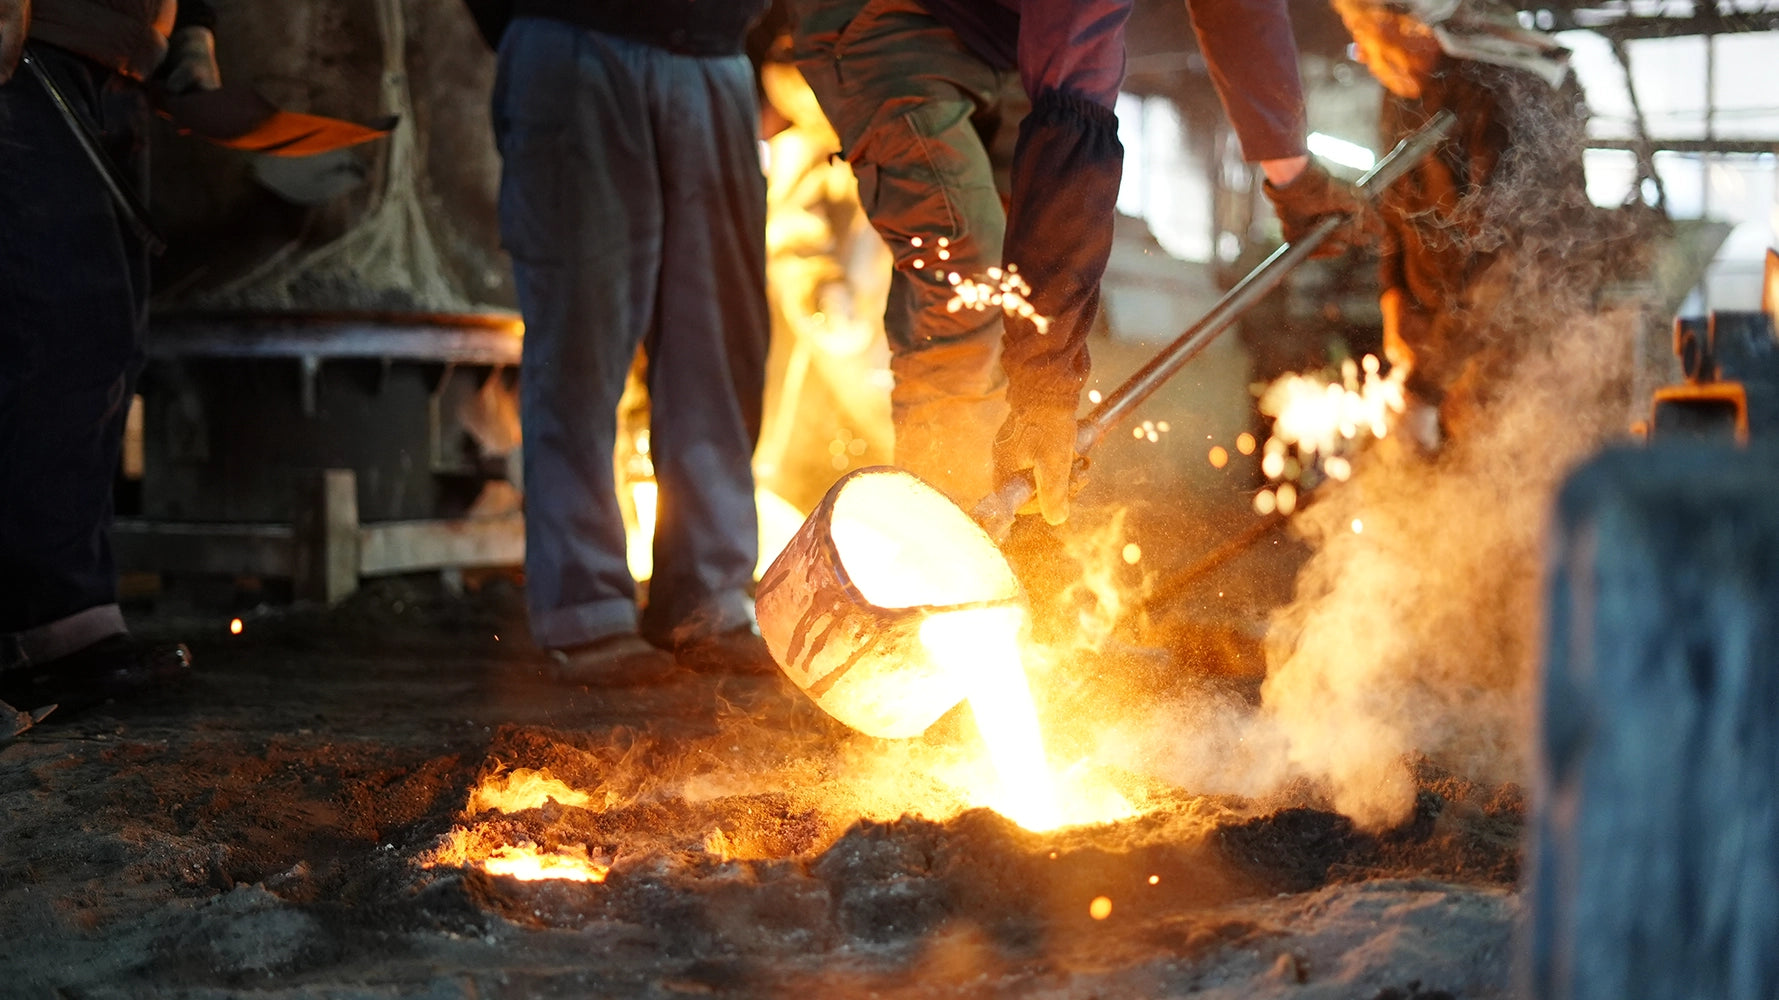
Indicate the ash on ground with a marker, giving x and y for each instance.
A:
(283, 827)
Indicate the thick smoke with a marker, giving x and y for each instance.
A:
(1419, 632)
(1416, 621)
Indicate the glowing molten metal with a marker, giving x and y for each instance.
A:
(522, 789)
(528, 864)
(891, 607)
(985, 643)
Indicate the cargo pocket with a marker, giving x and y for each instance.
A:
(926, 174)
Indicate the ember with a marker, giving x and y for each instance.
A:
(998, 289)
(527, 864)
(1316, 422)
(522, 789)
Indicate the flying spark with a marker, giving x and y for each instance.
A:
(998, 289)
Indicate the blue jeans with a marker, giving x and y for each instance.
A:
(73, 300)
(633, 206)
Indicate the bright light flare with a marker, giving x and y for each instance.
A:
(1341, 151)
(1317, 422)
(778, 521)
(235, 626)
(984, 642)
(521, 789)
(998, 289)
(528, 864)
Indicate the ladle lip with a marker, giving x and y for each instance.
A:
(838, 564)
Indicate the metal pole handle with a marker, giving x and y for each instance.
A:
(996, 511)
(134, 213)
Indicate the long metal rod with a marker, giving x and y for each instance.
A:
(1263, 279)
(129, 206)
(995, 512)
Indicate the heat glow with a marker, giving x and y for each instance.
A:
(984, 642)
(527, 864)
(521, 789)
(1318, 422)
(903, 545)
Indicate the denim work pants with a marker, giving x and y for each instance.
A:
(634, 207)
(915, 111)
(73, 306)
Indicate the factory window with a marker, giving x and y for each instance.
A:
(1718, 164)
(1163, 183)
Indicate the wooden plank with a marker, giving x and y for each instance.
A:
(326, 567)
(220, 549)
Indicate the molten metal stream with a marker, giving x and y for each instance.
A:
(984, 644)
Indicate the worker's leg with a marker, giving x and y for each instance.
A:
(707, 347)
(905, 95)
(580, 213)
(72, 290)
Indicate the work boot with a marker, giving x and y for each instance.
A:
(119, 667)
(737, 651)
(621, 660)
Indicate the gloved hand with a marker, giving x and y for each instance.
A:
(15, 22)
(191, 61)
(1313, 194)
(1040, 438)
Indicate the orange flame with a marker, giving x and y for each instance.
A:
(522, 789)
(528, 864)
(479, 847)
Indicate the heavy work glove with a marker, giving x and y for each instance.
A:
(1313, 195)
(1040, 439)
(1066, 169)
(15, 22)
(191, 61)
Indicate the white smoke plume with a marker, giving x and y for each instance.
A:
(1419, 633)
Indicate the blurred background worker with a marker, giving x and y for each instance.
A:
(73, 309)
(1482, 236)
(633, 206)
(916, 92)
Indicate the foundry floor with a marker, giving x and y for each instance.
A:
(261, 833)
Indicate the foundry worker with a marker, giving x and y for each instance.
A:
(633, 205)
(73, 308)
(914, 90)
(1498, 220)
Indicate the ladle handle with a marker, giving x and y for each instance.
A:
(995, 512)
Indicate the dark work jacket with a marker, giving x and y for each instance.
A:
(1248, 47)
(688, 27)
